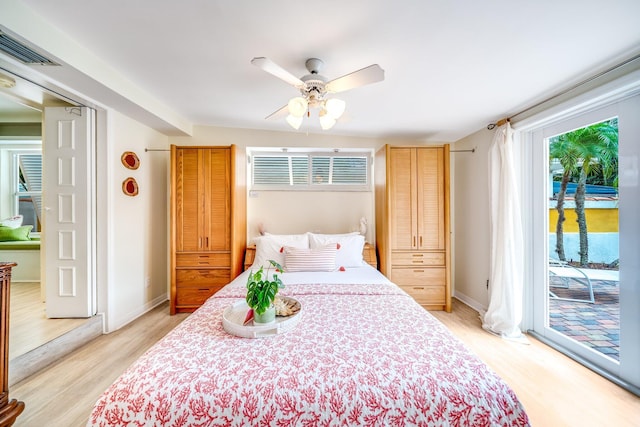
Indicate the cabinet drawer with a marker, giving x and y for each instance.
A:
(202, 278)
(203, 260)
(427, 276)
(417, 258)
(195, 296)
(427, 295)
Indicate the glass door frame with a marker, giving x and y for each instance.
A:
(616, 99)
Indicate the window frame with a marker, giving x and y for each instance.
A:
(311, 184)
(15, 181)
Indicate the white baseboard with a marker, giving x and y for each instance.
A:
(470, 302)
(137, 313)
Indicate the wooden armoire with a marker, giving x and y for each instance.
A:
(412, 221)
(208, 223)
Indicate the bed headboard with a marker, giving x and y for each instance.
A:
(368, 253)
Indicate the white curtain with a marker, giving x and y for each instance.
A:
(504, 314)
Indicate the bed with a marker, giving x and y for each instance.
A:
(363, 353)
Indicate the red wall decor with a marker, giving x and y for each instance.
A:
(130, 187)
(130, 160)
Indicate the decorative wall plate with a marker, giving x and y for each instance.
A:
(130, 187)
(130, 160)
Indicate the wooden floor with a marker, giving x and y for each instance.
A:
(554, 390)
(63, 395)
(29, 327)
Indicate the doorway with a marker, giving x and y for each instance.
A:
(24, 104)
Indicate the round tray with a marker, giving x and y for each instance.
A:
(234, 315)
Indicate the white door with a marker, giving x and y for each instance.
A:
(68, 202)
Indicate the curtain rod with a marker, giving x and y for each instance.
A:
(491, 126)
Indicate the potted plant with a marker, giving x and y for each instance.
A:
(261, 292)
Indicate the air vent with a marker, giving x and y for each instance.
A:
(22, 53)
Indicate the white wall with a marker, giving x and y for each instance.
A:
(136, 229)
(471, 219)
(288, 212)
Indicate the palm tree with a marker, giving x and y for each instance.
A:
(561, 148)
(584, 151)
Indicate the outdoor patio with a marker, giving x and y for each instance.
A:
(596, 325)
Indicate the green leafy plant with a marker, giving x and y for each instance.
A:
(260, 290)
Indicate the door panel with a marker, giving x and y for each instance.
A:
(68, 247)
(219, 202)
(430, 198)
(625, 370)
(402, 189)
(187, 209)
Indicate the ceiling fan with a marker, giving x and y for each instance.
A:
(314, 89)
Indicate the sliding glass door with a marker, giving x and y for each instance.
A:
(584, 200)
(583, 272)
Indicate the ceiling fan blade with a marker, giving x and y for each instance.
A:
(272, 68)
(371, 74)
(282, 112)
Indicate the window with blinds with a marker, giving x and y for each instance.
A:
(28, 188)
(310, 171)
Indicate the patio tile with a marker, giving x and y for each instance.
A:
(595, 325)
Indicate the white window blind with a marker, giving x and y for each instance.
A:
(311, 171)
(28, 188)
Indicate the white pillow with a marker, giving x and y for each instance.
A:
(271, 246)
(13, 222)
(306, 259)
(351, 245)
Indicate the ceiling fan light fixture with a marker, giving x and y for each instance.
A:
(326, 121)
(314, 87)
(298, 106)
(294, 121)
(335, 107)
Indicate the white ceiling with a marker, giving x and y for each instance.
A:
(451, 67)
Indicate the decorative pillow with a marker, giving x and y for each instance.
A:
(271, 246)
(13, 222)
(350, 251)
(8, 234)
(318, 259)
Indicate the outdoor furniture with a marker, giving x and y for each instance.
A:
(565, 273)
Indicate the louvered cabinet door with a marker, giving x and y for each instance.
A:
(402, 186)
(430, 198)
(187, 209)
(217, 200)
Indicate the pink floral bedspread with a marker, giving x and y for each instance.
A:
(361, 355)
